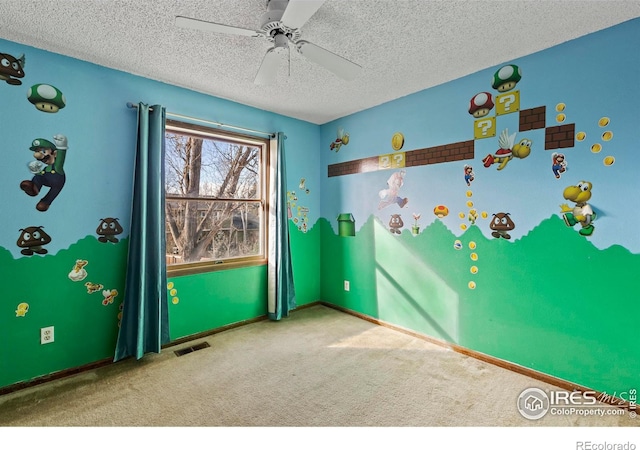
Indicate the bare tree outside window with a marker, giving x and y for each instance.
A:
(214, 187)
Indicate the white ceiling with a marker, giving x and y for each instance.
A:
(404, 46)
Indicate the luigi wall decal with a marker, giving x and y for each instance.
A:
(48, 169)
(11, 68)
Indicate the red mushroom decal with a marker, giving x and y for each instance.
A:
(481, 104)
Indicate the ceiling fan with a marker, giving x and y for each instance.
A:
(280, 25)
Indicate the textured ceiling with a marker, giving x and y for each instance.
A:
(404, 46)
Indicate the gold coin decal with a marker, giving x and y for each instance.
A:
(603, 122)
(560, 118)
(607, 135)
(581, 136)
(609, 160)
(397, 141)
(560, 107)
(596, 148)
(472, 285)
(474, 269)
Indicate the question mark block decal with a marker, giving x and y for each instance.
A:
(484, 128)
(508, 103)
(391, 161)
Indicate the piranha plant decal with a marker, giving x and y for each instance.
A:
(415, 229)
(11, 69)
(582, 212)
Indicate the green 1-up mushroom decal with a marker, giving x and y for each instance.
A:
(46, 98)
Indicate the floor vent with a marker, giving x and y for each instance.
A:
(184, 351)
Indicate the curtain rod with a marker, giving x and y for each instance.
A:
(218, 124)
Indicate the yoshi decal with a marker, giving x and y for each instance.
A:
(582, 212)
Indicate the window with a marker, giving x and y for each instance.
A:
(215, 188)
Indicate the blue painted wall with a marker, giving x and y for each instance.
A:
(99, 170)
(546, 297)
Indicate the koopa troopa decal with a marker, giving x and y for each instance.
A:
(48, 169)
(582, 212)
(11, 69)
(508, 150)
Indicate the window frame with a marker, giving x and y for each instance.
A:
(264, 145)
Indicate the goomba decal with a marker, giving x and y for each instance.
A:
(32, 239)
(11, 68)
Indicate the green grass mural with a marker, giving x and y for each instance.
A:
(550, 301)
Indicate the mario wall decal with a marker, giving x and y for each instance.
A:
(391, 195)
(48, 169)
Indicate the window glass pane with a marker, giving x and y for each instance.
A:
(212, 230)
(200, 167)
(215, 197)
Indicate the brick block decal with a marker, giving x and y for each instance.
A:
(562, 136)
(420, 157)
(533, 119)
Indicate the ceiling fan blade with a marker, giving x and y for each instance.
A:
(298, 12)
(195, 24)
(269, 67)
(337, 64)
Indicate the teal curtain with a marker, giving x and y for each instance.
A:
(281, 290)
(145, 316)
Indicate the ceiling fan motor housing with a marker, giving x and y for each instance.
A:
(272, 26)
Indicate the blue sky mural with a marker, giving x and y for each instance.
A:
(585, 80)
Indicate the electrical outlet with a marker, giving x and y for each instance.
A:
(46, 335)
(347, 285)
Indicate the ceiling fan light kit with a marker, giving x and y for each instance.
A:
(280, 25)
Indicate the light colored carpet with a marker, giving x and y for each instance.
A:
(319, 367)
